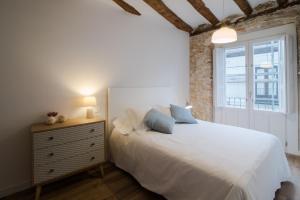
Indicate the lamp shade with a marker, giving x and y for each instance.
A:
(224, 35)
(89, 101)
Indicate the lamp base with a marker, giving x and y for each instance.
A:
(90, 113)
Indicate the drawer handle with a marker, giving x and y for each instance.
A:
(92, 158)
(51, 171)
(93, 144)
(51, 154)
(92, 130)
(50, 138)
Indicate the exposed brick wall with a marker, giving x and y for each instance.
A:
(201, 60)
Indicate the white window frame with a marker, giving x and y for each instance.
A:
(246, 73)
(247, 40)
(283, 78)
(219, 92)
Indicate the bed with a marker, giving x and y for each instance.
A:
(204, 161)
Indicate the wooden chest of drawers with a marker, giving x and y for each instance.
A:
(64, 149)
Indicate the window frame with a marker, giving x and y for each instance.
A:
(238, 45)
(282, 82)
(249, 74)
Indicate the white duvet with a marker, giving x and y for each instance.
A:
(204, 161)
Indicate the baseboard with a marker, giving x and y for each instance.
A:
(14, 188)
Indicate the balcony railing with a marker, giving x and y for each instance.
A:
(267, 104)
(237, 102)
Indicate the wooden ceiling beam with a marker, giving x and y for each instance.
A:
(127, 7)
(282, 2)
(265, 12)
(200, 6)
(168, 14)
(244, 6)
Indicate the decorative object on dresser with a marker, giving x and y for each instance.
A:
(51, 118)
(66, 148)
(89, 102)
(61, 119)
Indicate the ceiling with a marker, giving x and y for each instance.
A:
(184, 10)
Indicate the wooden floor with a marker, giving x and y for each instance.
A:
(118, 185)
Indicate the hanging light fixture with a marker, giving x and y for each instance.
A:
(224, 34)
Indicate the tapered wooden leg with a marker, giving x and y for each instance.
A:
(102, 171)
(38, 190)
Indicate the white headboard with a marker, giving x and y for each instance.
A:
(119, 99)
(142, 99)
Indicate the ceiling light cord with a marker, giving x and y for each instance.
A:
(224, 34)
(223, 10)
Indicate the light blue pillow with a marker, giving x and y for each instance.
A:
(182, 115)
(158, 121)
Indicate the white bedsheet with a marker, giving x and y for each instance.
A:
(204, 161)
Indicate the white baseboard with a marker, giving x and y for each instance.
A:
(14, 188)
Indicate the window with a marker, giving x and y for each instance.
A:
(268, 71)
(255, 83)
(253, 75)
(260, 89)
(235, 77)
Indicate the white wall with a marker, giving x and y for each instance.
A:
(51, 49)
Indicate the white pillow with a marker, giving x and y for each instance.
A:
(123, 125)
(129, 121)
(137, 119)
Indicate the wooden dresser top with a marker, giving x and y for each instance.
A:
(40, 127)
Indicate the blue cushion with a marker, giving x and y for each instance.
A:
(158, 121)
(182, 115)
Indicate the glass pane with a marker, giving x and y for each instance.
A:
(267, 75)
(235, 77)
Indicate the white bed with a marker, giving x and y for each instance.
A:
(204, 161)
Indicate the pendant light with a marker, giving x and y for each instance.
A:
(224, 34)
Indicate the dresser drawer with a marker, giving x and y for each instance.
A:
(54, 170)
(60, 152)
(66, 135)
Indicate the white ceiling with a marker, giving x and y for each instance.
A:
(185, 11)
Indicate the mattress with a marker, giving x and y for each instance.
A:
(204, 161)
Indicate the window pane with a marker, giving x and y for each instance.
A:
(260, 88)
(267, 75)
(235, 77)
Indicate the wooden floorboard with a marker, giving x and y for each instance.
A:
(119, 185)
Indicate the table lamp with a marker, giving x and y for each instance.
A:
(89, 102)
